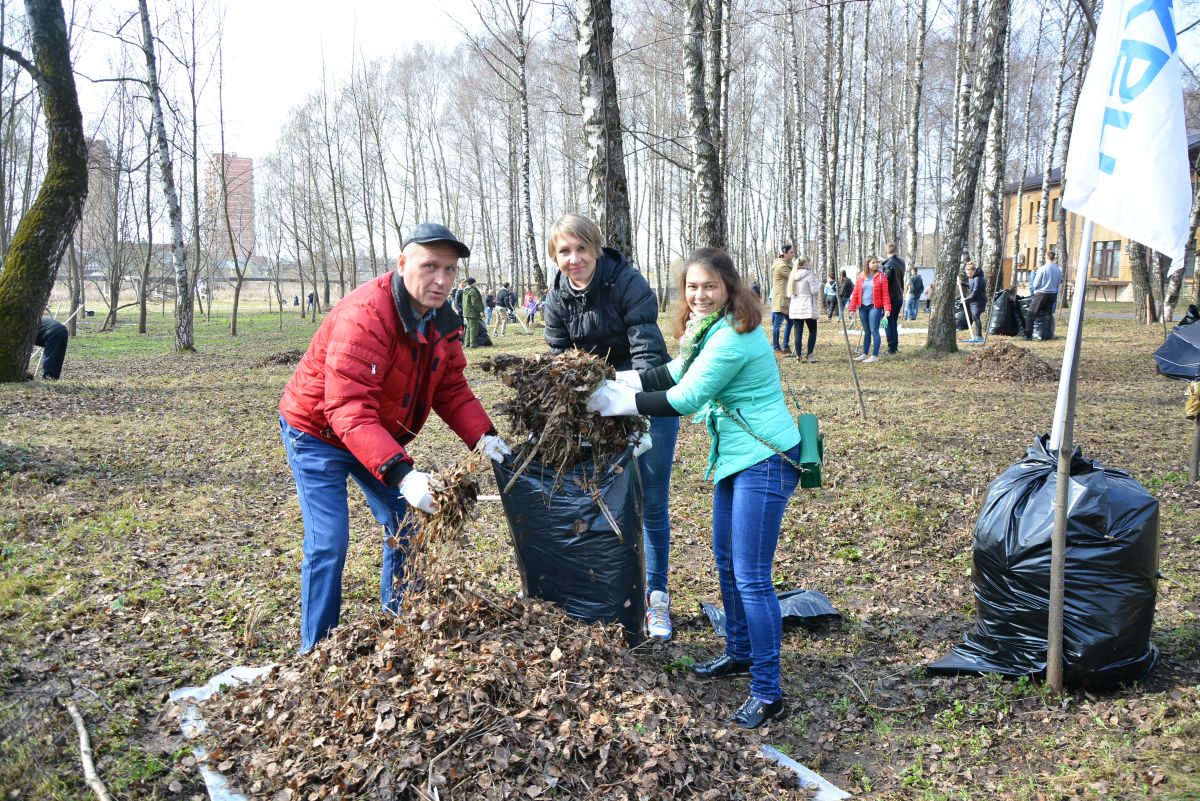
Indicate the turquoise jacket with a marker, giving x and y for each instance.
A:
(739, 371)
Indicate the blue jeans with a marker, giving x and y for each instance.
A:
(910, 308)
(320, 471)
(777, 320)
(870, 316)
(487, 315)
(747, 512)
(655, 467)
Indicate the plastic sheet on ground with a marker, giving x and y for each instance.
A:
(1110, 577)
(193, 725)
(808, 609)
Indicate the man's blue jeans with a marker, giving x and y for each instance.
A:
(910, 308)
(320, 471)
(777, 320)
(747, 512)
(870, 316)
(655, 467)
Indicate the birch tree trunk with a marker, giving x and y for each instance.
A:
(914, 127)
(1060, 76)
(992, 240)
(608, 191)
(183, 288)
(707, 188)
(966, 174)
(45, 230)
(1068, 125)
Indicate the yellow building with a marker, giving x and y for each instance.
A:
(1109, 274)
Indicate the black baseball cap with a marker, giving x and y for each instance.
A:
(785, 249)
(428, 232)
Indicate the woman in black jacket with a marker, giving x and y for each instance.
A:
(601, 304)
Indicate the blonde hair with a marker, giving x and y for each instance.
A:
(801, 263)
(576, 225)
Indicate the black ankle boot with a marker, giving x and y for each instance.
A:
(755, 713)
(721, 667)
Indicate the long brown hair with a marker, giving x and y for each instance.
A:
(741, 303)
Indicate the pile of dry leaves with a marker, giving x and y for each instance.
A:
(456, 492)
(471, 697)
(283, 357)
(548, 414)
(1004, 361)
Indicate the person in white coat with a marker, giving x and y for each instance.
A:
(802, 288)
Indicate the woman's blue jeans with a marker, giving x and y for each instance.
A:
(778, 320)
(320, 471)
(655, 468)
(870, 316)
(747, 513)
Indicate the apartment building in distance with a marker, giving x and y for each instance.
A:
(230, 178)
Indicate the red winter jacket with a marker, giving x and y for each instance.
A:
(881, 292)
(369, 380)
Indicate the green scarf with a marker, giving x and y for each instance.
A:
(693, 335)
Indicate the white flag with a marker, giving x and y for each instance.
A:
(1127, 162)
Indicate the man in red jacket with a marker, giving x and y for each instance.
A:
(384, 357)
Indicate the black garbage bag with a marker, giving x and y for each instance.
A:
(483, 339)
(960, 316)
(1179, 354)
(1043, 327)
(807, 609)
(1022, 313)
(567, 549)
(1003, 321)
(1110, 589)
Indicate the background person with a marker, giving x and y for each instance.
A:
(601, 304)
(1043, 286)
(531, 304)
(472, 312)
(870, 299)
(506, 300)
(489, 306)
(802, 307)
(893, 268)
(52, 338)
(385, 356)
(727, 374)
(914, 286)
(831, 298)
(781, 270)
(976, 296)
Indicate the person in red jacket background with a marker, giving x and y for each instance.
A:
(387, 354)
(873, 303)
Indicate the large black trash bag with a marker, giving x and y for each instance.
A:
(567, 550)
(1022, 313)
(960, 316)
(1043, 327)
(1110, 589)
(1003, 321)
(1179, 354)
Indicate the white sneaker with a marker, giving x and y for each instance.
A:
(658, 615)
(862, 357)
(870, 359)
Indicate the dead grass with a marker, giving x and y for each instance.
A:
(147, 521)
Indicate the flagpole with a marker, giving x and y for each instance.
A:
(1062, 440)
(837, 298)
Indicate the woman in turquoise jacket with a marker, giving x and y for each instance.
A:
(727, 377)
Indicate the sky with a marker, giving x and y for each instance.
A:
(275, 51)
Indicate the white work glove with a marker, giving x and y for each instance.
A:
(613, 399)
(494, 447)
(641, 443)
(415, 489)
(630, 378)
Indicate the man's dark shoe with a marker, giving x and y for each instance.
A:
(755, 713)
(721, 667)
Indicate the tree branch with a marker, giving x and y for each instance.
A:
(25, 64)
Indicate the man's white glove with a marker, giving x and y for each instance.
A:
(613, 399)
(641, 443)
(415, 489)
(631, 378)
(494, 447)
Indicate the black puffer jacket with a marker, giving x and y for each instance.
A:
(615, 317)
